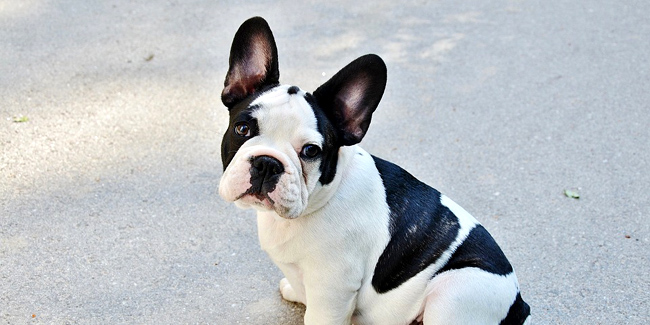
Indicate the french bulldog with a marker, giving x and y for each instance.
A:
(358, 238)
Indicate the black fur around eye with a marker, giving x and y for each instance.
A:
(310, 151)
(242, 129)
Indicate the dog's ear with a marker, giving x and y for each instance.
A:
(253, 62)
(351, 96)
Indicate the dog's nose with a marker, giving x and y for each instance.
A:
(265, 174)
(267, 165)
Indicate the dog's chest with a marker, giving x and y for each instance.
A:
(352, 225)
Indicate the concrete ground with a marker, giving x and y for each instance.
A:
(110, 125)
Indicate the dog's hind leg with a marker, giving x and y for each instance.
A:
(469, 296)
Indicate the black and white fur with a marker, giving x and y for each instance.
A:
(358, 239)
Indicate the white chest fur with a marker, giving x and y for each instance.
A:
(354, 215)
(337, 245)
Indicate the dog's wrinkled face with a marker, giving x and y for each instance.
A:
(282, 144)
(274, 152)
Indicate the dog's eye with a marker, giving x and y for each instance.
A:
(310, 151)
(242, 129)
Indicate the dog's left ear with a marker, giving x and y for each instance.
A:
(351, 96)
(253, 62)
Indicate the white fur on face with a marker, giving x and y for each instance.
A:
(286, 123)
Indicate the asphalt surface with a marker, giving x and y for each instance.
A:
(110, 126)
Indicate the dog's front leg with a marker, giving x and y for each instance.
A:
(331, 297)
(291, 286)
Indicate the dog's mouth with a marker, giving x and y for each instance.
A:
(263, 202)
(257, 199)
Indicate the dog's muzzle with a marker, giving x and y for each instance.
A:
(265, 173)
(264, 179)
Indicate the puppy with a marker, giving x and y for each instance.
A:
(358, 239)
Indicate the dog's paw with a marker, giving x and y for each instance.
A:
(287, 291)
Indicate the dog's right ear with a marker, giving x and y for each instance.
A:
(253, 62)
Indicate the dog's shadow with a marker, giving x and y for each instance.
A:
(295, 312)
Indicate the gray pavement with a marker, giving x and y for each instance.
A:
(110, 125)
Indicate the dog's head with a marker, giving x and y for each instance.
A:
(282, 143)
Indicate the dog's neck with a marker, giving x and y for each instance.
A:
(323, 193)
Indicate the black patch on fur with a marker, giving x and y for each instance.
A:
(519, 311)
(481, 251)
(411, 250)
(293, 90)
(232, 141)
(330, 153)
